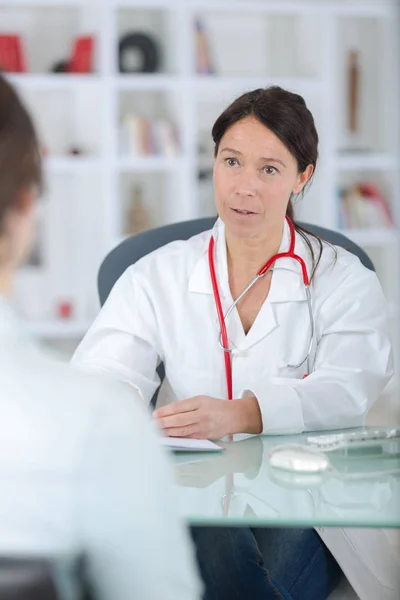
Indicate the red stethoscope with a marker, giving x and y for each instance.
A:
(224, 342)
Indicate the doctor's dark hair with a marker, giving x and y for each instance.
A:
(287, 116)
(20, 164)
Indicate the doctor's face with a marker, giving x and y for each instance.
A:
(254, 177)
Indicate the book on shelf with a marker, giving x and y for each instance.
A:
(12, 58)
(82, 55)
(203, 59)
(363, 206)
(147, 137)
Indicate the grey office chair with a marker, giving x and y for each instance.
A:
(135, 247)
(26, 579)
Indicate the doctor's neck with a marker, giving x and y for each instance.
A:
(249, 254)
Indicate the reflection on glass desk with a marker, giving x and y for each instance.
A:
(239, 487)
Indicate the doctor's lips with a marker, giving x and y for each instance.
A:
(243, 211)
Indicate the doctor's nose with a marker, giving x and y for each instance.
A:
(246, 183)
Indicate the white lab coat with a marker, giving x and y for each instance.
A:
(81, 474)
(163, 308)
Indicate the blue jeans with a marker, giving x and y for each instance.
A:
(264, 564)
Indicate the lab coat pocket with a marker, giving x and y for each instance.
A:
(288, 374)
(292, 347)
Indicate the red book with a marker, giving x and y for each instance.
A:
(3, 53)
(11, 54)
(6, 54)
(20, 59)
(82, 55)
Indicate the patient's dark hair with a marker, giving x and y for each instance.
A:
(287, 116)
(20, 163)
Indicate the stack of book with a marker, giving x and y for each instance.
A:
(363, 206)
(144, 137)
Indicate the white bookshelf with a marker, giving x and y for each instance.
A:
(59, 330)
(151, 164)
(53, 81)
(250, 44)
(359, 162)
(57, 164)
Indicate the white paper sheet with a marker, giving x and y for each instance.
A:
(190, 445)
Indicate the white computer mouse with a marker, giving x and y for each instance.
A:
(298, 458)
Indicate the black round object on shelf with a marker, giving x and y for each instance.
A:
(138, 53)
(60, 66)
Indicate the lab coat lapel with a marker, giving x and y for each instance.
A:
(200, 283)
(199, 279)
(236, 334)
(265, 322)
(286, 286)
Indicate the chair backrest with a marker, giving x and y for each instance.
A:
(133, 248)
(26, 579)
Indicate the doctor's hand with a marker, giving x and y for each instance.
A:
(204, 417)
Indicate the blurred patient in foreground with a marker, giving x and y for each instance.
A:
(80, 471)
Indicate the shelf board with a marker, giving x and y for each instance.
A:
(149, 81)
(60, 164)
(211, 82)
(46, 81)
(149, 163)
(291, 7)
(217, 82)
(364, 7)
(361, 161)
(135, 4)
(279, 7)
(254, 6)
(51, 330)
(44, 3)
(372, 237)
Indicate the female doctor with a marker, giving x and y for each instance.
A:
(262, 327)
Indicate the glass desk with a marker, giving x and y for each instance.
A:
(239, 487)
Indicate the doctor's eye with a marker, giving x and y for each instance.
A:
(270, 170)
(231, 162)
